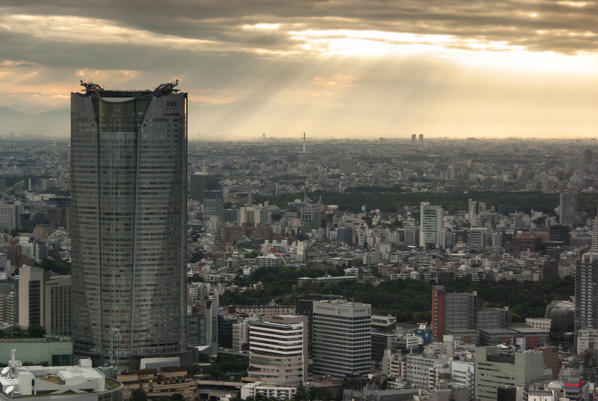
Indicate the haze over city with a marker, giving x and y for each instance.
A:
(332, 68)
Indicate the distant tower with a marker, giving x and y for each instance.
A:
(413, 136)
(304, 150)
(568, 208)
(588, 158)
(421, 137)
(594, 235)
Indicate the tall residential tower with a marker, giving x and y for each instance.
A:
(129, 193)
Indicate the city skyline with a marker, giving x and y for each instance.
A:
(333, 69)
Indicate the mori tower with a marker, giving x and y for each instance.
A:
(128, 219)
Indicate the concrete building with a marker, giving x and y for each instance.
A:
(31, 296)
(567, 208)
(463, 372)
(260, 389)
(57, 306)
(493, 318)
(44, 300)
(452, 311)
(128, 223)
(540, 323)
(422, 370)
(430, 226)
(8, 303)
(58, 383)
(503, 366)
(37, 351)
(158, 382)
(202, 182)
(586, 299)
(384, 336)
(9, 215)
(278, 351)
(341, 338)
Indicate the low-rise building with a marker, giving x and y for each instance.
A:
(57, 383)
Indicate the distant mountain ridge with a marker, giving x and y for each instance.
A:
(49, 124)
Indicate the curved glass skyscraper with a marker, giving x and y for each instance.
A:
(128, 219)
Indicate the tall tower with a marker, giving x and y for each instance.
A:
(129, 194)
(567, 208)
(304, 139)
(341, 338)
(430, 226)
(452, 311)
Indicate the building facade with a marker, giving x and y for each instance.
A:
(503, 366)
(278, 351)
(567, 208)
(341, 338)
(452, 311)
(586, 301)
(128, 223)
(431, 224)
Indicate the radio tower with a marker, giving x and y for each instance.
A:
(304, 151)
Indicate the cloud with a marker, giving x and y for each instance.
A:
(339, 67)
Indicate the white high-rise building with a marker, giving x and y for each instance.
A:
(430, 226)
(278, 351)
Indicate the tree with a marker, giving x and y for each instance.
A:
(36, 331)
(138, 395)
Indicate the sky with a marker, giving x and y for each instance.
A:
(333, 69)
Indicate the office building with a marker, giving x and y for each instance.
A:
(44, 300)
(384, 336)
(38, 351)
(341, 338)
(430, 226)
(503, 366)
(567, 208)
(586, 303)
(305, 307)
(278, 351)
(8, 217)
(594, 235)
(463, 372)
(31, 296)
(8, 303)
(202, 182)
(128, 223)
(452, 311)
(493, 318)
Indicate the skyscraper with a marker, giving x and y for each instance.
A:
(341, 338)
(452, 311)
(430, 228)
(129, 193)
(586, 303)
(568, 208)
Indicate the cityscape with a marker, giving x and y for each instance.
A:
(322, 200)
